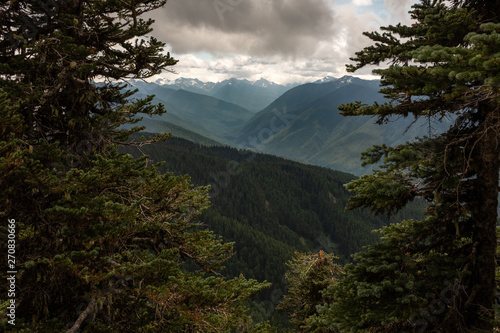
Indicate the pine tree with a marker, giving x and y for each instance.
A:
(309, 275)
(104, 242)
(445, 65)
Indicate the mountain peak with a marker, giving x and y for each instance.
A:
(233, 81)
(346, 79)
(326, 79)
(189, 84)
(263, 83)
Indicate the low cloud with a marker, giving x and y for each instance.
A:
(283, 40)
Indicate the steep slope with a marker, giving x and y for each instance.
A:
(304, 124)
(269, 206)
(318, 122)
(202, 114)
(279, 113)
(342, 150)
(161, 126)
(204, 110)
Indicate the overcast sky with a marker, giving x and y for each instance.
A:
(283, 41)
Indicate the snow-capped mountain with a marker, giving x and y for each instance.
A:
(343, 80)
(326, 79)
(189, 84)
(253, 96)
(231, 82)
(263, 83)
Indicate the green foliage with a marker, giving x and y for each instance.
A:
(444, 65)
(309, 276)
(396, 283)
(271, 207)
(104, 242)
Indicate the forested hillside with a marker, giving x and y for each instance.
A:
(269, 206)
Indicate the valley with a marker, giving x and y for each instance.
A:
(276, 176)
(302, 123)
(138, 200)
(270, 208)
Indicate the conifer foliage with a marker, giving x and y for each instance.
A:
(439, 273)
(104, 242)
(309, 276)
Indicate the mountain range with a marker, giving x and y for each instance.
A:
(253, 96)
(302, 123)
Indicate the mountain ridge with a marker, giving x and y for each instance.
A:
(302, 124)
(231, 90)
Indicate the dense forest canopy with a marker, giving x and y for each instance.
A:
(271, 207)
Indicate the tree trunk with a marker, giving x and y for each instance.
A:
(482, 288)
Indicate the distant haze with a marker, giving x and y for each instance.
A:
(300, 123)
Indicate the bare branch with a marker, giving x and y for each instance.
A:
(88, 310)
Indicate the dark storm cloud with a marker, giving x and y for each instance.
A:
(280, 40)
(254, 27)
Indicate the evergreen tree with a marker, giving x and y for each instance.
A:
(444, 65)
(104, 242)
(309, 276)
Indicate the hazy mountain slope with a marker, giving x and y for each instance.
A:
(287, 107)
(313, 131)
(302, 124)
(205, 110)
(252, 96)
(202, 114)
(342, 151)
(307, 133)
(160, 126)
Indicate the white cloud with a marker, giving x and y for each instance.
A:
(280, 40)
(362, 2)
